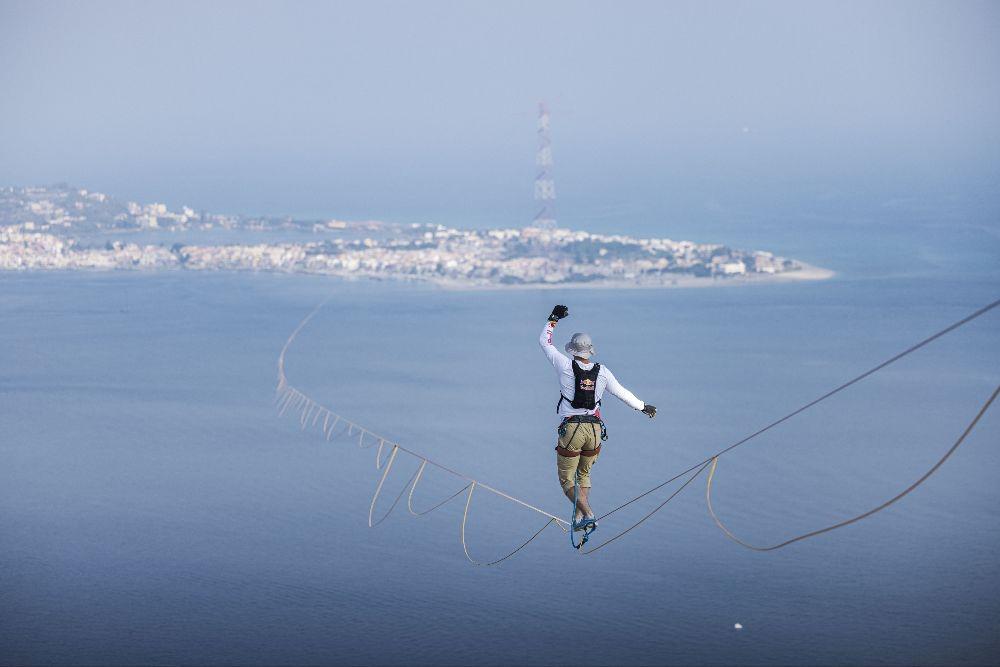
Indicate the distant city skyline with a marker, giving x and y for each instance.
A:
(73, 229)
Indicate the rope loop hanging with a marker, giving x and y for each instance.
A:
(854, 519)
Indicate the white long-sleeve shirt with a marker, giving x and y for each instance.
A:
(567, 382)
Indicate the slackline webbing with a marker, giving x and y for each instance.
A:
(311, 411)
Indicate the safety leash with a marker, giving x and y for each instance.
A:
(572, 522)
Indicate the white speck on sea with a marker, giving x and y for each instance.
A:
(738, 626)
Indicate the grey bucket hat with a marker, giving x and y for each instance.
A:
(580, 345)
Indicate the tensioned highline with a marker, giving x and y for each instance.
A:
(311, 411)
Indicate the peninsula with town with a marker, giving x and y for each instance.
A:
(68, 228)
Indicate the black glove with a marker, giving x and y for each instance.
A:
(558, 313)
(649, 410)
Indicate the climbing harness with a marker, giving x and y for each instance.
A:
(583, 419)
(312, 414)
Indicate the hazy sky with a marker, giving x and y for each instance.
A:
(427, 108)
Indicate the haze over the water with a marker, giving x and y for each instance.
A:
(425, 111)
(155, 510)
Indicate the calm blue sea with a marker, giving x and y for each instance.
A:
(154, 509)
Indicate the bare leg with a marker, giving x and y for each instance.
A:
(582, 502)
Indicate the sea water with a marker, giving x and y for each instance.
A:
(155, 509)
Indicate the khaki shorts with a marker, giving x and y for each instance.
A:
(576, 452)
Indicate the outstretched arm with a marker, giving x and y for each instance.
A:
(555, 357)
(627, 397)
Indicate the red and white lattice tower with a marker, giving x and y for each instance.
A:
(545, 187)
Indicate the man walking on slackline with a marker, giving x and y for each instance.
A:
(581, 386)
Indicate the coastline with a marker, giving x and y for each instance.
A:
(808, 272)
(64, 228)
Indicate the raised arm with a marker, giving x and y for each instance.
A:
(627, 397)
(555, 357)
